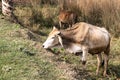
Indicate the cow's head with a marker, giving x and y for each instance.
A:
(53, 39)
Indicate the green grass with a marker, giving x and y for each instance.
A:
(19, 59)
(22, 58)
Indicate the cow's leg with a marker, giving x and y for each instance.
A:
(84, 56)
(105, 64)
(70, 24)
(99, 59)
(60, 23)
(106, 59)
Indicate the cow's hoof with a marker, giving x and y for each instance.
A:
(83, 62)
(105, 75)
(97, 73)
(78, 53)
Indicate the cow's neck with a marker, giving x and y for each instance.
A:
(67, 36)
(69, 43)
(71, 46)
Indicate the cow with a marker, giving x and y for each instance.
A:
(85, 38)
(67, 17)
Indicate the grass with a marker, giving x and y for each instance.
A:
(23, 58)
(35, 16)
(19, 59)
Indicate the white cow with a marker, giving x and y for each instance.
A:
(82, 37)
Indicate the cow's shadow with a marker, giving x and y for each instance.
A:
(83, 74)
(86, 74)
(113, 72)
(41, 33)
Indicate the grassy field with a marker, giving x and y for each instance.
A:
(23, 58)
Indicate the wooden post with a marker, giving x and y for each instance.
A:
(7, 10)
(7, 7)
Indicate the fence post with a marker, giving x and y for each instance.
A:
(7, 10)
(7, 7)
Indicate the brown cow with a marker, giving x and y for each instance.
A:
(67, 17)
(85, 38)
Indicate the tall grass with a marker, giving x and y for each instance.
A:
(105, 13)
(35, 16)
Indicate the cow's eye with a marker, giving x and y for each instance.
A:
(53, 37)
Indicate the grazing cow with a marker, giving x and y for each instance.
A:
(67, 17)
(85, 38)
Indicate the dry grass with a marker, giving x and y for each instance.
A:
(36, 16)
(98, 12)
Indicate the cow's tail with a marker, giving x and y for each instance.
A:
(107, 51)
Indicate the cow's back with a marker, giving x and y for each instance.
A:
(88, 34)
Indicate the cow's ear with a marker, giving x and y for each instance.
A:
(60, 40)
(59, 33)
